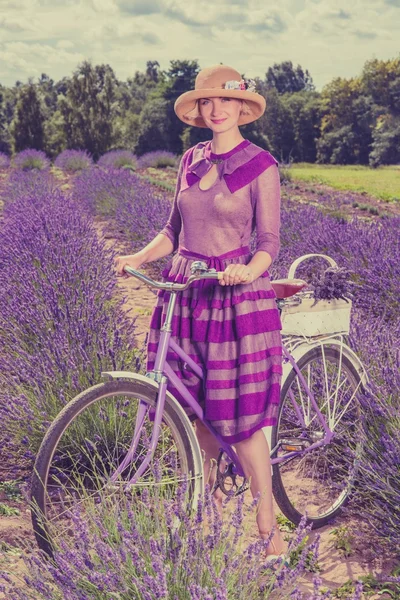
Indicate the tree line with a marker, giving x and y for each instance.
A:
(351, 121)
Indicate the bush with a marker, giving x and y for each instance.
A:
(61, 320)
(31, 159)
(102, 190)
(365, 248)
(118, 159)
(154, 549)
(72, 161)
(144, 217)
(22, 184)
(377, 493)
(285, 173)
(139, 209)
(4, 161)
(158, 160)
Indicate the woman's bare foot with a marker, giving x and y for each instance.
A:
(277, 545)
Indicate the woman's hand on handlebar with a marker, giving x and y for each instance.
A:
(130, 260)
(235, 274)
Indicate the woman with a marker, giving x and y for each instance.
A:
(226, 188)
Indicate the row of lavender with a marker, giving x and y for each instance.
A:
(370, 250)
(61, 322)
(72, 161)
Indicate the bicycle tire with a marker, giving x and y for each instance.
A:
(46, 485)
(293, 492)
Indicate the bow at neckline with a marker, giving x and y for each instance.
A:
(203, 159)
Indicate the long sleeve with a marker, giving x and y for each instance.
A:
(174, 223)
(266, 200)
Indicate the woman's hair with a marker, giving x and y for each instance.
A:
(195, 112)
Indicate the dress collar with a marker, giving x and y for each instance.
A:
(238, 167)
(203, 159)
(212, 156)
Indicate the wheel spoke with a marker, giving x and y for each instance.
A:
(318, 481)
(75, 469)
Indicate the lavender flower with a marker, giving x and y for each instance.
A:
(24, 184)
(4, 161)
(103, 190)
(118, 159)
(31, 159)
(332, 284)
(158, 159)
(61, 317)
(72, 161)
(131, 552)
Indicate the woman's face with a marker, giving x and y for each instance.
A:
(220, 114)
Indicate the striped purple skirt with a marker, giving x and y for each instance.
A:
(233, 332)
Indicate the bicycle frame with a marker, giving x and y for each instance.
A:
(163, 373)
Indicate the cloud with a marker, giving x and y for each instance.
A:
(20, 60)
(342, 14)
(64, 44)
(232, 18)
(150, 38)
(13, 60)
(61, 3)
(103, 6)
(188, 15)
(140, 7)
(272, 23)
(317, 28)
(13, 25)
(17, 4)
(129, 31)
(365, 35)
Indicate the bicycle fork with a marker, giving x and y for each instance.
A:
(143, 406)
(140, 416)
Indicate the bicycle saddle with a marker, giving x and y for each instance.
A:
(284, 288)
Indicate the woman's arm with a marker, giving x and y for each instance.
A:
(266, 200)
(163, 244)
(266, 189)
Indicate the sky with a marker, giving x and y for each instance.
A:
(329, 38)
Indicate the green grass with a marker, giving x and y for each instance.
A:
(382, 183)
(8, 511)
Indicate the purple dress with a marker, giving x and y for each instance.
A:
(233, 332)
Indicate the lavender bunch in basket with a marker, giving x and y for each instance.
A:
(332, 284)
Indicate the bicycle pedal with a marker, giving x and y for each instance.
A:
(293, 445)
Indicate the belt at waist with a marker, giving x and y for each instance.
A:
(213, 262)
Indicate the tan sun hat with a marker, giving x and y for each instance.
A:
(224, 82)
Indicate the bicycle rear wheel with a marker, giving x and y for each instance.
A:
(89, 440)
(317, 483)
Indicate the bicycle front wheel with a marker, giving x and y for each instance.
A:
(317, 483)
(87, 443)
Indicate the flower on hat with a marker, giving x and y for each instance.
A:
(250, 85)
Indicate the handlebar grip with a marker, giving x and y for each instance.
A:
(169, 285)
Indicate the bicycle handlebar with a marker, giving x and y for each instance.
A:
(170, 285)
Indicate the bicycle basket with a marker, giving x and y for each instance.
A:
(325, 317)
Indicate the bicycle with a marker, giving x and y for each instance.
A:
(89, 451)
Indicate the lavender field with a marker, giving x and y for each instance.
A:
(62, 322)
